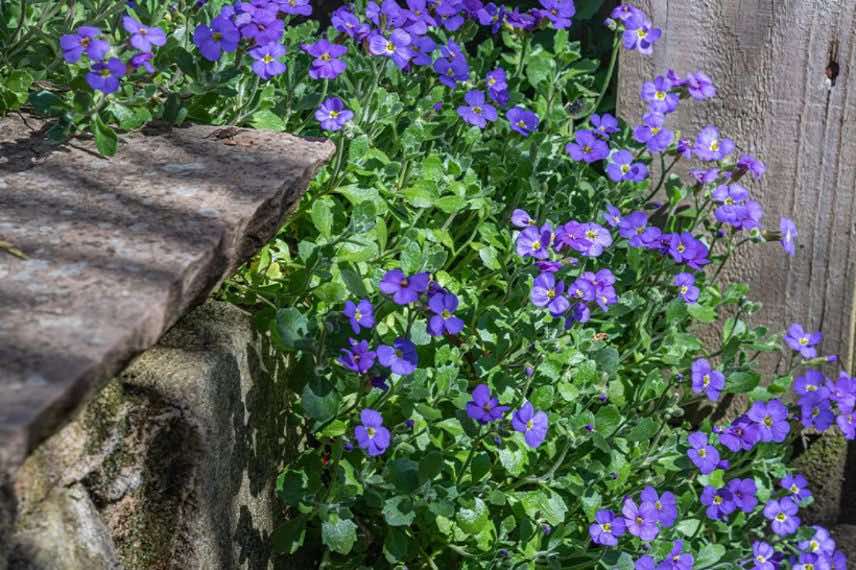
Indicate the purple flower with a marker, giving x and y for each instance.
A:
(772, 420)
(700, 86)
(326, 64)
(639, 34)
(332, 114)
(295, 7)
(105, 76)
(531, 423)
(587, 148)
(741, 435)
(400, 358)
(710, 146)
(359, 359)
(621, 168)
(782, 514)
(484, 408)
(645, 563)
(423, 49)
(522, 219)
(703, 455)
(346, 22)
(419, 19)
(144, 60)
(559, 12)
(547, 293)
(404, 289)
(789, 235)
(744, 493)
(624, 12)
(572, 234)
(846, 422)
(821, 543)
(606, 528)
(763, 556)
(259, 23)
(658, 96)
(612, 216)
(803, 342)
(491, 15)
(677, 559)
(476, 111)
(534, 242)
(604, 125)
(598, 238)
(634, 228)
(796, 486)
(396, 46)
(706, 380)
(143, 37)
(687, 290)
(719, 502)
(449, 72)
(221, 37)
(749, 163)
(443, 321)
(497, 85)
(360, 315)
(85, 40)
(522, 121)
(816, 413)
(843, 390)
(808, 561)
(652, 133)
(371, 435)
(266, 63)
(666, 505)
(641, 520)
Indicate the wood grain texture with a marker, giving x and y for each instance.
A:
(769, 60)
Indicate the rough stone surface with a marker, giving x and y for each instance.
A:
(823, 465)
(117, 250)
(845, 538)
(177, 455)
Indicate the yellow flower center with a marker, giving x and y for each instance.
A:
(477, 110)
(702, 452)
(706, 379)
(334, 114)
(768, 421)
(529, 425)
(781, 517)
(326, 57)
(551, 294)
(684, 289)
(804, 341)
(216, 36)
(521, 124)
(660, 95)
(491, 81)
(587, 149)
(446, 314)
(267, 58)
(536, 245)
(591, 234)
(606, 527)
(714, 146)
(814, 545)
(625, 168)
(357, 315)
(681, 248)
(761, 559)
(795, 489)
(642, 33)
(655, 130)
(728, 201)
(105, 72)
(390, 47)
(717, 500)
(371, 431)
(85, 42)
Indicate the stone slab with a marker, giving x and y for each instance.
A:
(116, 250)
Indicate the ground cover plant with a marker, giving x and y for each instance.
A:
(491, 299)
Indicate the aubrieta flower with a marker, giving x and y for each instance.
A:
(666, 505)
(531, 423)
(144, 60)
(423, 48)
(808, 561)
(404, 289)
(640, 34)
(443, 321)
(719, 502)
(846, 421)
(295, 7)
(483, 407)
(635, 229)
(394, 47)
(710, 146)
(705, 176)
(582, 290)
(606, 528)
(706, 380)
(821, 543)
(652, 134)
(450, 72)
(685, 248)
(419, 19)
(546, 292)
(332, 114)
(326, 64)
(803, 342)
(401, 358)
(658, 95)
(477, 111)
(744, 494)
(372, 436)
(782, 514)
(641, 520)
(789, 236)
(741, 435)
(359, 315)
(624, 12)
(344, 20)
(259, 23)
(677, 559)
(687, 290)
(587, 148)
(534, 242)
(772, 420)
(700, 86)
(749, 163)
(763, 556)
(612, 216)
(359, 359)
(522, 219)
(703, 455)
(816, 413)
(604, 125)
(144, 38)
(522, 121)
(621, 168)
(842, 390)
(598, 238)
(84, 40)
(497, 85)
(559, 12)
(221, 37)
(266, 62)
(105, 76)
(646, 562)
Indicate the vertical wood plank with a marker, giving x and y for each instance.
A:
(769, 60)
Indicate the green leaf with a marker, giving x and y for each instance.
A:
(320, 399)
(411, 258)
(742, 382)
(399, 511)
(339, 534)
(363, 217)
(709, 555)
(292, 329)
(105, 137)
(643, 431)
(288, 537)
(606, 420)
(404, 474)
(322, 215)
(472, 519)
(688, 527)
(267, 119)
(701, 312)
(129, 118)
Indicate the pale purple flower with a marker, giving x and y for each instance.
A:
(621, 168)
(144, 38)
(360, 315)
(359, 359)
(221, 37)
(604, 125)
(531, 423)
(477, 111)
(706, 380)
(534, 242)
(401, 358)
(772, 420)
(782, 514)
(687, 290)
(522, 121)
(326, 64)
(371, 435)
(84, 40)
(106, 76)
(606, 528)
(404, 289)
(588, 147)
(333, 115)
(395, 47)
(546, 292)
(483, 407)
(700, 86)
(709, 145)
(803, 342)
(443, 321)
(641, 521)
(789, 235)
(266, 62)
(702, 454)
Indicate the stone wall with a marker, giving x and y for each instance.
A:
(171, 466)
